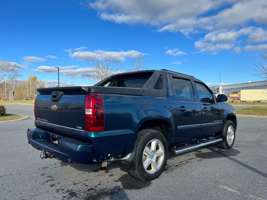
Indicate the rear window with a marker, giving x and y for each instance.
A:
(133, 80)
(159, 83)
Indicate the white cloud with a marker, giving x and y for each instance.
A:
(47, 69)
(51, 57)
(33, 59)
(240, 13)
(231, 39)
(175, 52)
(223, 22)
(177, 62)
(160, 12)
(67, 70)
(9, 66)
(213, 47)
(100, 55)
(257, 47)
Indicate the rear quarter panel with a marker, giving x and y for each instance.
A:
(129, 112)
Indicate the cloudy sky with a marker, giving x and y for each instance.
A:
(214, 40)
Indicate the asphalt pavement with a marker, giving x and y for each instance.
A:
(208, 174)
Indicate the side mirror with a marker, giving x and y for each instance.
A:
(221, 98)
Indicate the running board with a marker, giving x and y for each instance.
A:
(194, 147)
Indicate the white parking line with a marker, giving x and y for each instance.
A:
(255, 197)
(229, 189)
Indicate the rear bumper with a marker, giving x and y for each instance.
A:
(94, 149)
(68, 150)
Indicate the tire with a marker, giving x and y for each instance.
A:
(2, 110)
(151, 151)
(228, 134)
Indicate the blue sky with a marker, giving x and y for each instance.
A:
(210, 40)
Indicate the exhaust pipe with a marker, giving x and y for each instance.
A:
(45, 155)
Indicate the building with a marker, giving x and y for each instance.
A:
(250, 91)
(253, 95)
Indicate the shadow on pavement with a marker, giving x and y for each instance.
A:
(115, 192)
(229, 154)
(216, 153)
(131, 183)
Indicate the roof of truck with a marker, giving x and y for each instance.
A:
(161, 70)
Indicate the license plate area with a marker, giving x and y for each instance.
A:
(54, 139)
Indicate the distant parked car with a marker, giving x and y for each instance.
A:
(135, 117)
(2, 110)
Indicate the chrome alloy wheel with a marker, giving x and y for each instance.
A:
(153, 156)
(230, 137)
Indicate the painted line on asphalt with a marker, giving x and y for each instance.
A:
(229, 189)
(255, 197)
(234, 191)
(252, 116)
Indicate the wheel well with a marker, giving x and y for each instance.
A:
(162, 125)
(232, 118)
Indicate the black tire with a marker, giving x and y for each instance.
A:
(2, 110)
(137, 169)
(226, 144)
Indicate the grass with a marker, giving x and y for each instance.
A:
(27, 102)
(8, 117)
(253, 110)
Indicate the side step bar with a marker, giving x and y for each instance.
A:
(194, 147)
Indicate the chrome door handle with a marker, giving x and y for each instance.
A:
(182, 108)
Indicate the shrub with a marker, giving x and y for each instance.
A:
(2, 110)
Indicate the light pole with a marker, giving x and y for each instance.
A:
(57, 76)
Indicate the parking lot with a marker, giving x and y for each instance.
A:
(207, 174)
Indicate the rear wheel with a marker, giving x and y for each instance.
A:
(228, 134)
(150, 155)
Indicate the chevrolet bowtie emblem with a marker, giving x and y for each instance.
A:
(54, 107)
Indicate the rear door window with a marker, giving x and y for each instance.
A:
(182, 89)
(132, 80)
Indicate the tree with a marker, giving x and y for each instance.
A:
(138, 63)
(263, 69)
(102, 71)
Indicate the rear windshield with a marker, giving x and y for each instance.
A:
(133, 80)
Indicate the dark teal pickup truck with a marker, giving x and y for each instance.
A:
(137, 118)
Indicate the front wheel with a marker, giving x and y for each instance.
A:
(150, 155)
(228, 135)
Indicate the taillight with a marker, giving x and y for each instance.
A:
(94, 113)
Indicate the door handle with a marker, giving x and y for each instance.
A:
(205, 108)
(182, 108)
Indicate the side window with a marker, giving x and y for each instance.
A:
(183, 89)
(159, 83)
(204, 93)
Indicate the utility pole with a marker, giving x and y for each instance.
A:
(4, 96)
(57, 76)
(30, 91)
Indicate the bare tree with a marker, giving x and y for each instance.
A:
(102, 71)
(263, 71)
(13, 75)
(138, 63)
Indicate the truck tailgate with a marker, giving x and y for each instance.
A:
(61, 106)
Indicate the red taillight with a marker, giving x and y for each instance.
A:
(94, 113)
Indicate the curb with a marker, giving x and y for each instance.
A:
(253, 116)
(14, 120)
